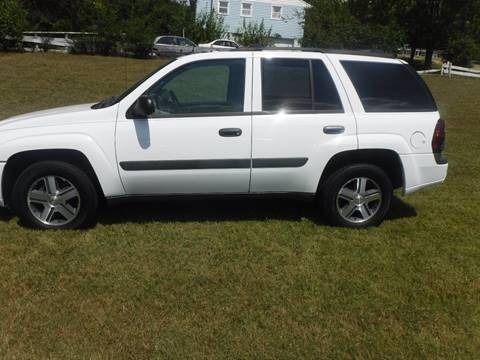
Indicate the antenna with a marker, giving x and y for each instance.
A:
(124, 44)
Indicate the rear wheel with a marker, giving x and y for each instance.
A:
(357, 196)
(54, 195)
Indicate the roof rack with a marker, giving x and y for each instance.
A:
(363, 52)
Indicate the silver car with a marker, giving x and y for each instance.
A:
(173, 45)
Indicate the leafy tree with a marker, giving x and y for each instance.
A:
(254, 34)
(461, 50)
(12, 22)
(54, 15)
(355, 24)
(329, 24)
(207, 27)
(432, 24)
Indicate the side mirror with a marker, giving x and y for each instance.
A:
(143, 107)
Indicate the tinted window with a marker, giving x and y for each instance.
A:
(189, 42)
(165, 41)
(212, 86)
(389, 87)
(325, 94)
(286, 84)
(298, 85)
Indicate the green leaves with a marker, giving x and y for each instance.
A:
(252, 33)
(12, 22)
(207, 27)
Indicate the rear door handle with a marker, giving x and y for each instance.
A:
(334, 129)
(230, 132)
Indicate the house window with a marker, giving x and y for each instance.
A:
(276, 12)
(246, 9)
(223, 7)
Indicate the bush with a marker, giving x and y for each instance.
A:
(206, 28)
(254, 34)
(461, 50)
(12, 23)
(139, 37)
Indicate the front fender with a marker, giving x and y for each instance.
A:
(101, 158)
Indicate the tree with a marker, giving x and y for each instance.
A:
(12, 22)
(355, 24)
(207, 27)
(432, 24)
(254, 34)
(329, 24)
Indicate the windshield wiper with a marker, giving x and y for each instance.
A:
(105, 103)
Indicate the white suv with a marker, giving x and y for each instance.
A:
(345, 130)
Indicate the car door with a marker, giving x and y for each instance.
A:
(215, 45)
(302, 118)
(185, 47)
(198, 140)
(165, 45)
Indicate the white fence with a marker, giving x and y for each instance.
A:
(61, 41)
(448, 69)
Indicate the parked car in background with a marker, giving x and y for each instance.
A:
(173, 45)
(221, 44)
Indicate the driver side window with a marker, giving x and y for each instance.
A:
(202, 87)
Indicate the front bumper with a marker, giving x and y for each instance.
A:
(421, 171)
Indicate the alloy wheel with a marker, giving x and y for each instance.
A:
(359, 200)
(53, 200)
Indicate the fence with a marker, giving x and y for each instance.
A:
(448, 69)
(59, 40)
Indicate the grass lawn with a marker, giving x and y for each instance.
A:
(246, 279)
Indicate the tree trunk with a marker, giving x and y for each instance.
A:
(428, 58)
(413, 50)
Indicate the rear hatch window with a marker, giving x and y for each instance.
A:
(385, 87)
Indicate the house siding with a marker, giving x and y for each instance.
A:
(289, 27)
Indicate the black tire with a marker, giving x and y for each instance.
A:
(335, 182)
(88, 196)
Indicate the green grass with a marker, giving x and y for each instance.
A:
(246, 279)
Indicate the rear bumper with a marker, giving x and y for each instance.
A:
(421, 171)
(2, 166)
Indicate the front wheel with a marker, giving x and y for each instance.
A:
(357, 196)
(54, 195)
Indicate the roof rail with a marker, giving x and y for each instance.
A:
(363, 52)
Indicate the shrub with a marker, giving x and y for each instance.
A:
(254, 34)
(206, 28)
(12, 23)
(461, 50)
(139, 37)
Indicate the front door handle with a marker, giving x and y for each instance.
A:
(334, 129)
(230, 132)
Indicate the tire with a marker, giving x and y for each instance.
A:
(69, 201)
(356, 196)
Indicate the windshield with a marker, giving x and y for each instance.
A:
(116, 99)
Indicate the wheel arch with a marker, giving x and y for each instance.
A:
(18, 162)
(388, 160)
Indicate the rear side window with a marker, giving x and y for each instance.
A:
(298, 85)
(165, 41)
(325, 94)
(389, 87)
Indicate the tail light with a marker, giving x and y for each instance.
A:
(438, 141)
